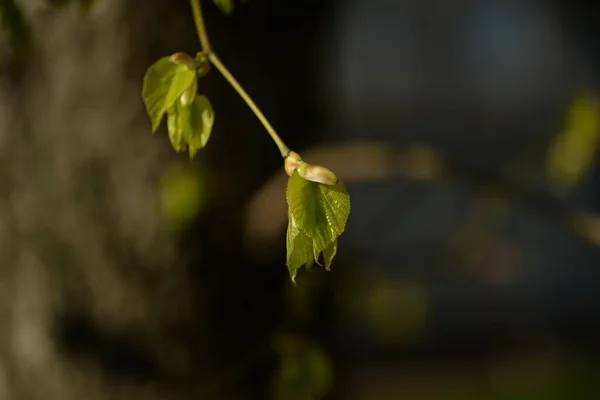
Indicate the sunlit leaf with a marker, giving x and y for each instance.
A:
(176, 125)
(225, 5)
(164, 83)
(320, 210)
(202, 118)
(317, 217)
(190, 127)
(300, 249)
(329, 253)
(573, 151)
(189, 95)
(305, 371)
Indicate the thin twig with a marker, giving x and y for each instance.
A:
(214, 59)
(216, 62)
(200, 27)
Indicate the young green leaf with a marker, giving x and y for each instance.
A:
(320, 210)
(225, 5)
(189, 95)
(317, 217)
(190, 126)
(300, 249)
(164, 83)
(201, 121)
(176, 127)
(329, 253)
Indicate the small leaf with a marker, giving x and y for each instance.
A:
(190, 127)
(201, 121)
(329, 253)
(320, 210)
(225, 5)
(189, 95)
(317, 216)
(299, 249)
(176, 131)
(164, 83)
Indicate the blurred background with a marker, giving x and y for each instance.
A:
(466, 132)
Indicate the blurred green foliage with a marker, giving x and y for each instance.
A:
(225, 5)
(396, 311)
(305, 371)
(183, 192)
(574, 149)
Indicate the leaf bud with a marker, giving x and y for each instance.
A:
(292, 161)
(183, 58)
(316, 173)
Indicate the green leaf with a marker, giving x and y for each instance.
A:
(164, 83)
(329, 253)
(317, 217)
(320, 210)
(225, 5)
(300, 250)
(202, 119)
(189, 95)
(190, 126)
(176, 124)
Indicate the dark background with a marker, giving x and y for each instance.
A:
(478, 284)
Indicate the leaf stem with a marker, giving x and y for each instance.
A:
(200, 27)
(216, 62)
(214, 59)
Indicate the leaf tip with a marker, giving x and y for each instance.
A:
(155, 125)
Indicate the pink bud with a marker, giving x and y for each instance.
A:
(292, 161)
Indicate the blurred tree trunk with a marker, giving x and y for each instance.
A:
(98, 299)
